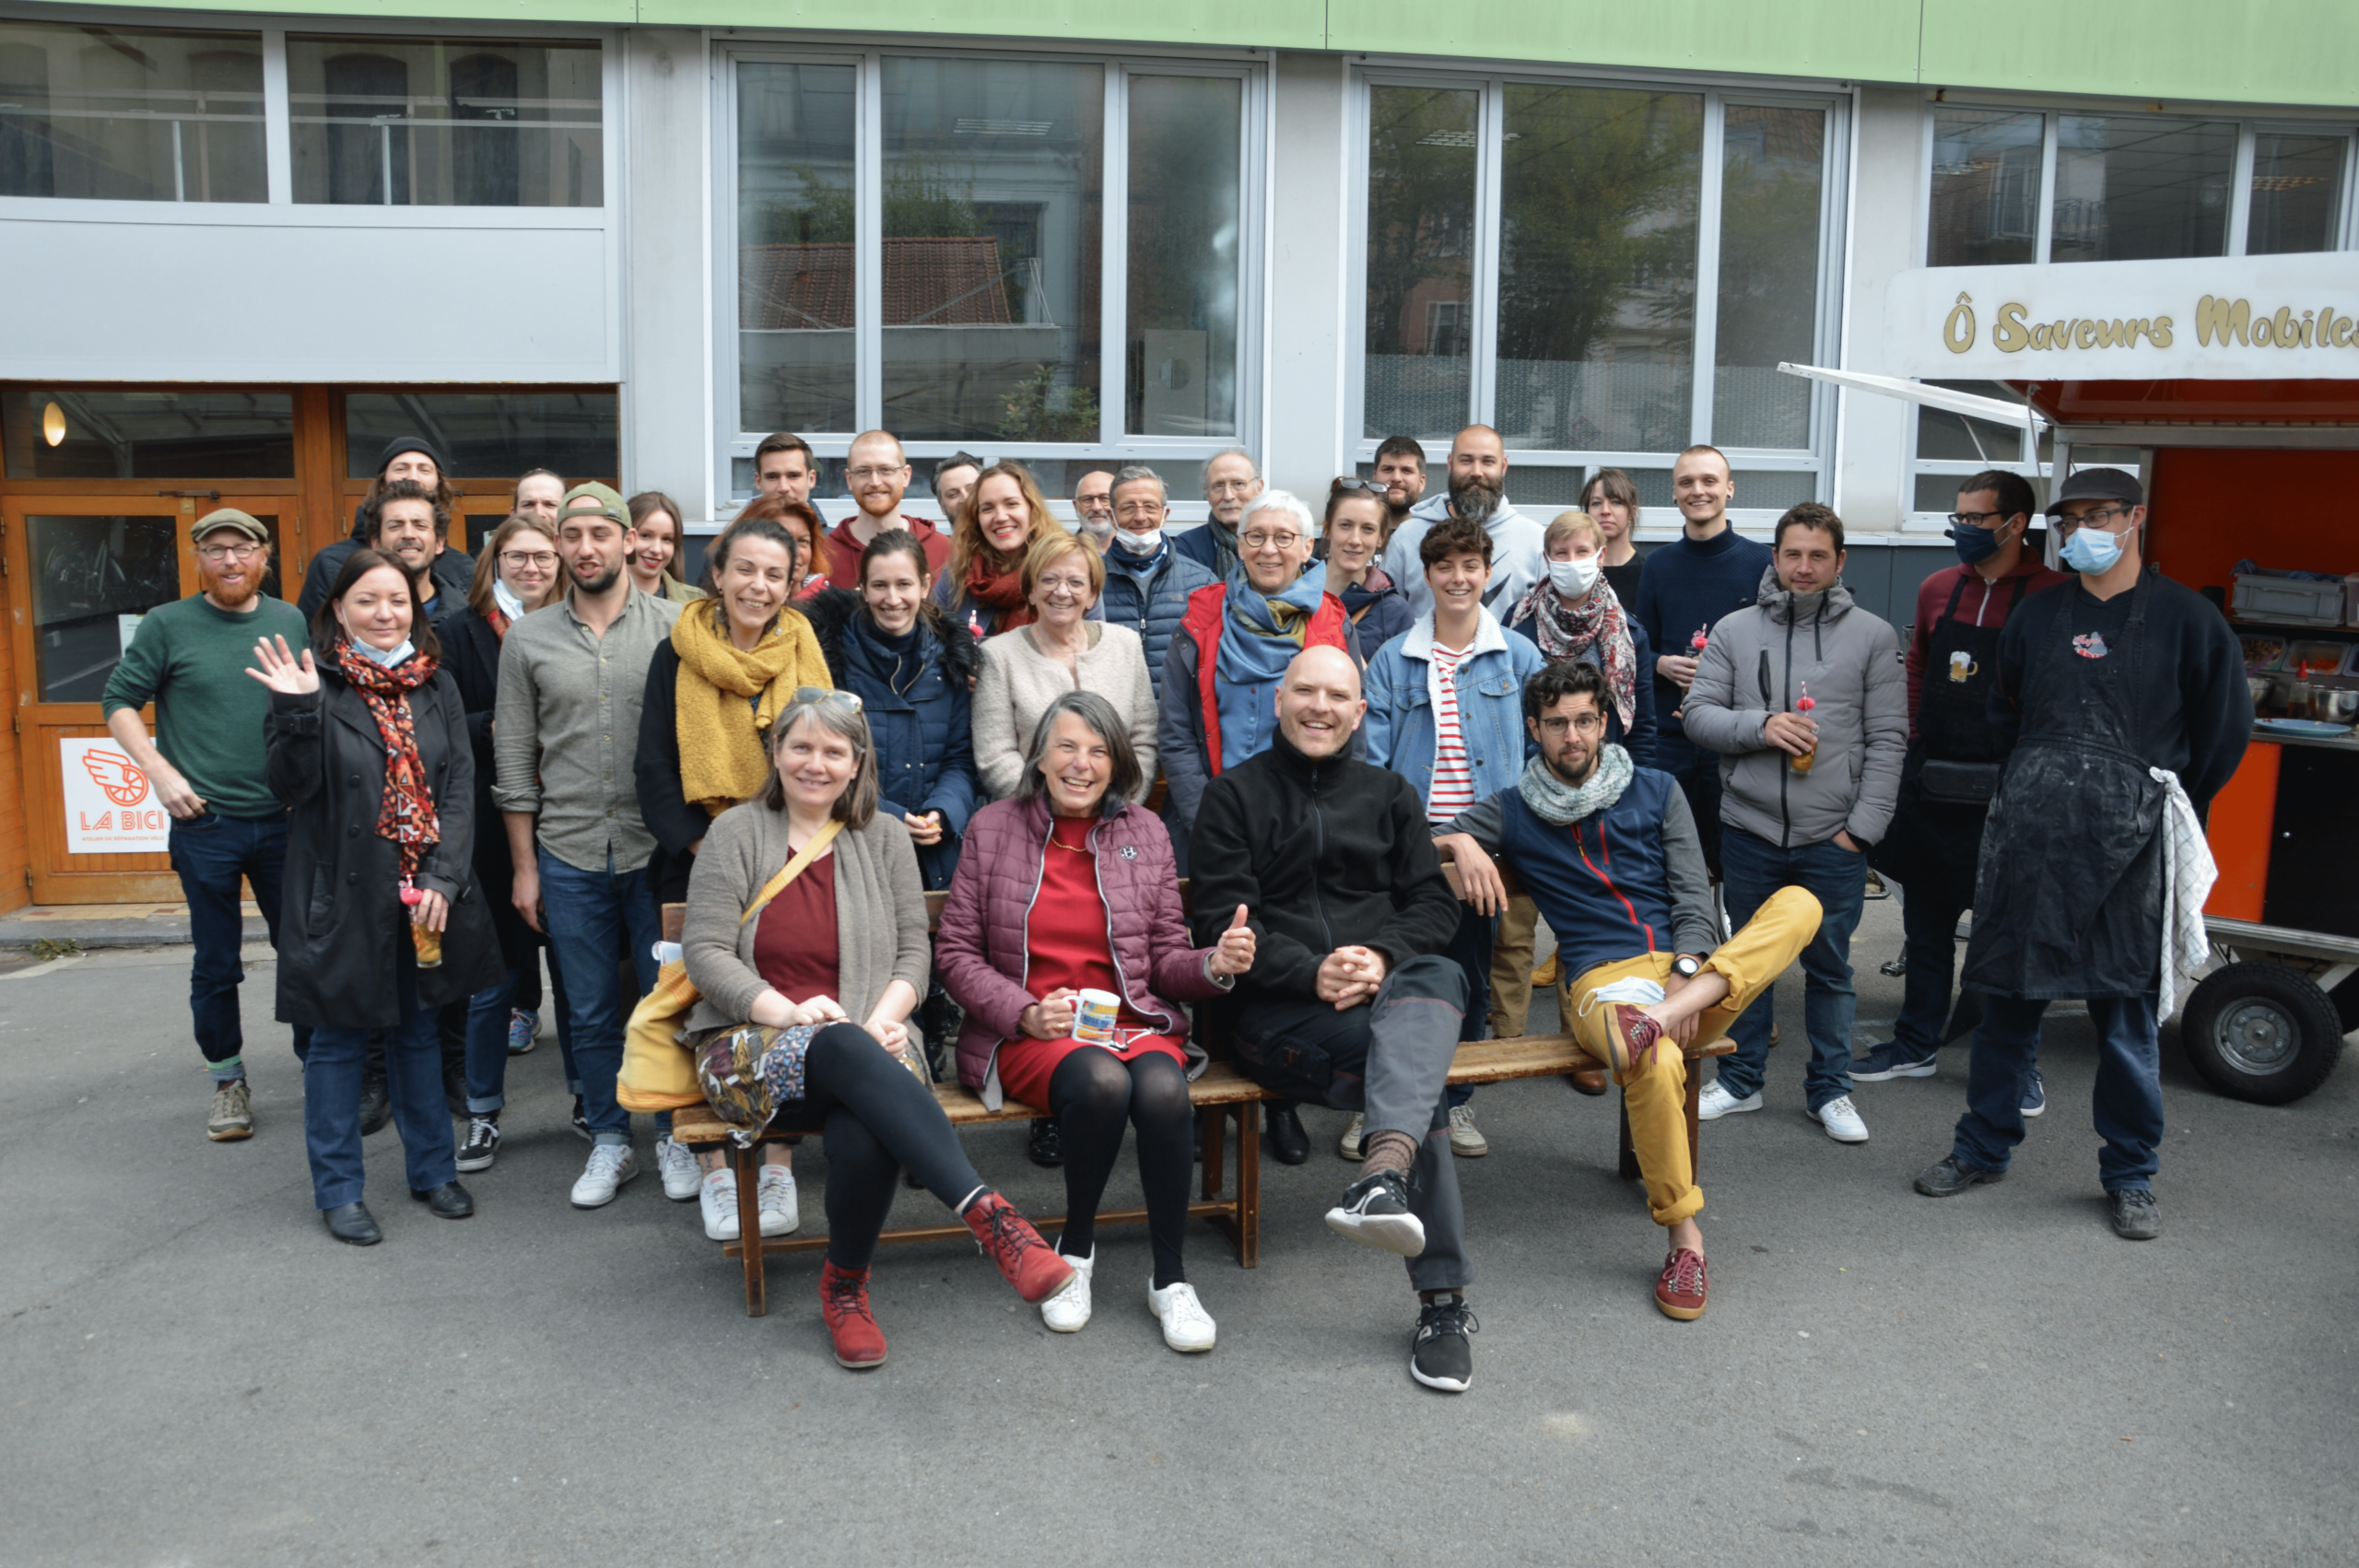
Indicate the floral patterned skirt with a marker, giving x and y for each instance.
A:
(747, 1073)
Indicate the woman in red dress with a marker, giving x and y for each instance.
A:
(1065, 888)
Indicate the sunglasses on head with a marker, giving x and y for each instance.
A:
(1357, 486)
(812, 696)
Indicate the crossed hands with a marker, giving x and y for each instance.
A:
(1349, 975)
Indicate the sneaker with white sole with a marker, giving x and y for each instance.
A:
(611, 1165)
(1841, 1119)
(717, 1196)
(1186, 1327)
(523, 1031)
(1067, 1312)
(1466, 1139)
(1375, 1212)
(2035, 1093)
(232, 1116)
(682, 1175)
(1353, 1145)
(774, 1195)
(1715, 1102)
(1892, 1060)
(482, 1146)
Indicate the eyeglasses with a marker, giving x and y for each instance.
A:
(1555, 724)
(813, 696)
(1256, 540)
(1979, 520)
(1231, 487)
(216, 552)
(1139, 509)
(1360, 487)
(2097, 517)
(865, 475)
(544, 559)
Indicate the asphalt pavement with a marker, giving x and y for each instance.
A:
(194, 1373)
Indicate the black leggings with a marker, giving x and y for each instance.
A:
(877, 1119)
(1094, 1093)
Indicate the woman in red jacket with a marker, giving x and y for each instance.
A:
(1066, 888)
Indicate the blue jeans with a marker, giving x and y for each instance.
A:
(210, 853)
(332, 1073)
(591, 917)
(2128, 1105)
(1754, 869)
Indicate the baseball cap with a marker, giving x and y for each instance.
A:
(2099, 485)
(593, 499)
(229, 517)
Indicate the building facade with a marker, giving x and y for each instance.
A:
(625, 240)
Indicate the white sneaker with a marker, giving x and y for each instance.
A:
(682, 1175)
(717, 1195)
(1715, 1102)
(1067, 1312)
(775, 1194)
(1842, 1123)
(1466, 1139)
(1349, 1145)
(611, 1165)
(1186, 1325)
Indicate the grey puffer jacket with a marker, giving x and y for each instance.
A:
(1756, 664)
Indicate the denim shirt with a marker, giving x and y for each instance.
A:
(1490, 706)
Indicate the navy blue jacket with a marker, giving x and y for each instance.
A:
(1157, 615)
(1686, 585)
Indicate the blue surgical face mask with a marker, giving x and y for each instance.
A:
(388, 657)
(1976, 544)
(2092, 551)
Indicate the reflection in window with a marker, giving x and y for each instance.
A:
(397, 122)
(1186, 137)
(1773, 166)
(1985, 187)
(490, 434)
(93, 576)
(1420, 256)
(2297, 193)
(993, 190)
(53, 433)
(1597, 268)
(148, 116)
(2140, 187)
(795, 345)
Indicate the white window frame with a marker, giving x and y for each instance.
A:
(1115, 445)
(1817, 458)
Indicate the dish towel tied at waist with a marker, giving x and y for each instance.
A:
(2187, 875)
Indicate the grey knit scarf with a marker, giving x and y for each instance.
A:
(1560, 804)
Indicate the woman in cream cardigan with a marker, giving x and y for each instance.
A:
(774, 1035)
(1062, 650)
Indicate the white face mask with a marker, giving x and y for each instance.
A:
(505, 597)
(1142, 544)
(1573, 579)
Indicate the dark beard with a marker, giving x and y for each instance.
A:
(1474, 499)
(593, 589)
(1596, 755)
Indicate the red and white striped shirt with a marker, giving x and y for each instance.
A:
(1453, 789)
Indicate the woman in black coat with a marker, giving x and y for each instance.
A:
(384, 922)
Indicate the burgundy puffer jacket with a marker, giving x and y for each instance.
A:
(980, 950)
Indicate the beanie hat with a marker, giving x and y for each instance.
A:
(401, 444)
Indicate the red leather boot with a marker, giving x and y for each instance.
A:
(1030, 1263)
(844, 1301)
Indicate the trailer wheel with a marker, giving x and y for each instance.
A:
(2260, 1031)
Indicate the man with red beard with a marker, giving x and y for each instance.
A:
(205, 767)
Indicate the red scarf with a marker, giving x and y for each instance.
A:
(1003, 591)
(406, 816)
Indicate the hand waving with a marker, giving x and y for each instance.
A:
(282, 672)
(1234, 953)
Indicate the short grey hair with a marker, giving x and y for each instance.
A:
(1139, 473)
(1284, 501)
(1099, 715)
(1204, 479)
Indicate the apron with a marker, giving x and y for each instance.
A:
(1933, 846)
(2069, 901)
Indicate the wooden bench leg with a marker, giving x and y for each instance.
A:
(1249, 1186)
(748, 1161)
(1212, 1123)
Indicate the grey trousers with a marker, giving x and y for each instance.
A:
(1388, 1059)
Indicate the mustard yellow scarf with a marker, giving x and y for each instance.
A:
(726, 697)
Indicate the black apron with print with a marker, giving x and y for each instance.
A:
(2069, 899)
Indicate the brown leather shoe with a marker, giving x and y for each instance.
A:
(1589, 1081)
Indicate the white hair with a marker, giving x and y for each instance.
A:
(1205, 479)
(1284, 501)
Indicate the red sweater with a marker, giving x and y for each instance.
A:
(840, 553)
(1982, 603)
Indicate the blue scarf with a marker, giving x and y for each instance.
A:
(1258, 636)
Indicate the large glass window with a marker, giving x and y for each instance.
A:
(490, 434)
(1773, 176)
(1186, 220)
(796, 277)
(106, 433)
(2297, 193)
(145, 115)
(1419, 363)
(2140, 187)
(459, 122)
(1986, 195)
(95, 576)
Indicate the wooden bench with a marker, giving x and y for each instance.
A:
(1231, 1097)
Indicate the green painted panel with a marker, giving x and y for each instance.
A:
(599, 13)
(1257, 24)
(1845, 39)
(2244, 51)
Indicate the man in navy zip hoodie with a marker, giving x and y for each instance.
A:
(1609, 851)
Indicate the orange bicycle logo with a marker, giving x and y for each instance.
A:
(114, 772)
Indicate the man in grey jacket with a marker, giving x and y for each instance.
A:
(1806, 700)
(1478, 480)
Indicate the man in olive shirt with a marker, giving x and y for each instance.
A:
(564, 737)
(190, 659)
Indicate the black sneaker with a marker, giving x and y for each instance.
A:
(1048, 1150)
(581, 1120)
(1440, 1357)
(376, 1106)
(1951, 1177)
(1288, 1141)
(1375, 1212)
(482, 1146)
(2135, 1217)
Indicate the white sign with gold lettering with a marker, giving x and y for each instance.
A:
(2245, 318)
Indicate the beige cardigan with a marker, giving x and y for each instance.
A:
(1017, 683)
(880, 914)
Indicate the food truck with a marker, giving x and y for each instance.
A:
(2231, 385)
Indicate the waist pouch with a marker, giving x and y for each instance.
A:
(1958, 783)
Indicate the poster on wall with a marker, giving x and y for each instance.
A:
(110, 807)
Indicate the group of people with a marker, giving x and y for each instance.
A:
(434, 773)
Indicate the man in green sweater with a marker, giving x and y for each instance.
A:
(190, 658)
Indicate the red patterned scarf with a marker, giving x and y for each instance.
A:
(407, 815)
(1001, 589)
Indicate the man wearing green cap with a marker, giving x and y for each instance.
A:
(565, 738)
(205, 765)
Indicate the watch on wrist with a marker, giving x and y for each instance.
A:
(1686, 966)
